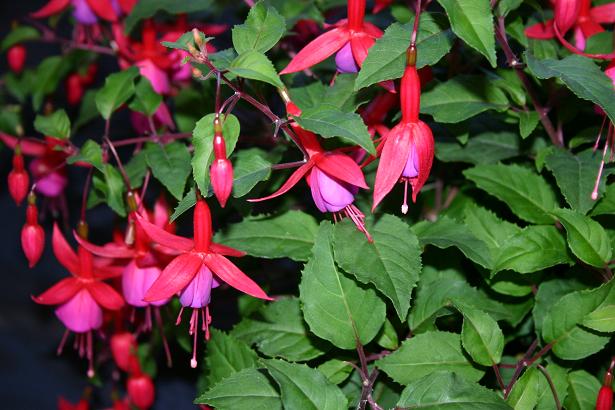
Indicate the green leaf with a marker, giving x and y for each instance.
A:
(118, 88)
(184, 40)
(487, 227)
(250, 167)
(19, 35)
(388, 336)
(462, 97)
(485, 148)
(386, 59)
(56, 125)
(582, 391)
(202, 139)
(561, 324)
(581, 75)
(114, 189)
(335, 307)
(533, 249)
(559, 377)
(146, 99)
(283, 333)
(170, 165)
(427, 353)
(255, 66)
(528, 120)
(336, 371)
(481, 336)
(290, 235)
(145, 9)
(341, 95)
(187, 202)
(48, 75)
(440, 390)
(262, 30)
(91, 153)
(447, 232)
(87, 109)
(392, 262)
(472, 21)
(136, 169)
(305, 388)
(329, 122)
(247, 389)
(549, 292)
(226, 356)
(524, 394)
(586, 237)
(601, 319)
(575, 176)
(606, 206)
(527, 194)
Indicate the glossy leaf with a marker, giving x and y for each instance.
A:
(170, 165)
(261, 31)
(118, 88)
(226, 356)
(481, 336)
(56, 125)
(255, 66)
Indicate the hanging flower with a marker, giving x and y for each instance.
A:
(32, 234)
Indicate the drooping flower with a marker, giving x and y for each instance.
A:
(221, 170)
(408, 149)
(32, 234)
(81, 297)
(141, 391)
(334, 179)
(350, 38)
(191, 273)
(124, 350)
(84, 11)
(19, 181)
(16, 57)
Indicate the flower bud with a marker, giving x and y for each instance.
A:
(16, 57)
(123, 347)
(141, 391)
(74, 89)
(605, 398)
(19, 181)
(32, 234)
(221, 175)
(566, 13)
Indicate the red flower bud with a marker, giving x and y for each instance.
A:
(221, 175)
(74, 89)
(32, 234)
(605, 398)
(90, 75)
(141, 391)
(123, 349)
(16, 57)
(19, 181)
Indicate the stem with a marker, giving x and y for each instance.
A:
(519, 367)
(162, 138)
(558, 405)
(116, 156)
(287, 165)
(415, 26)
(49, 36)
(86, 189)
(498, 375)
(515, 64)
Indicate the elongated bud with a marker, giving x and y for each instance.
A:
(566, 14)
(221, 175)
(32, 234)
(202, 226)
(410, 95)
(605, 398)
(74, 89)
(141, 391)
(219, 143)
(123, 349)
(16, 57)
(198, 40)
(19, 181)
(291, 107)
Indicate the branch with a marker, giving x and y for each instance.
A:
(558, 405)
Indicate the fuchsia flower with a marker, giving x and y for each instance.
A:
(32, 234)
(408, 149)
(351, 38)
(577, 15)
(82, 296)
(334, 179)
(19, 181)
(192, 272)
(85, 11)
(221, 170)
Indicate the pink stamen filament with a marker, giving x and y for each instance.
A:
(608, 143)
(165, 343)
(63, 342)
(194, 319)
(90, 354)
(357, 217)
(404, 206)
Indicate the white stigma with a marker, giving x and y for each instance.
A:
(404, 209)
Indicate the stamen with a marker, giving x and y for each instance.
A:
(63, 342)
(207, 322)
(194, 331)
(167, 351)
(179, 316)
(357, 217)
(404, 206)
(90, 353)
(594, 195)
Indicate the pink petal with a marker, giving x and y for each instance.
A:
(104, 9)
(330, 193)
(80, 314)
(231, 274)
(174, 277)
(198, 292)
(136, 282)
(317, 50)
(157, 77)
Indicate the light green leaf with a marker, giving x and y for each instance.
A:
(226, 356)
(549, 292)
(527, 194)
(290, 235)
(472, 21)
(146, 99)
(250, 167)
(335, 370)
(586, 237)
(262, 30)
(56, 125)
(601, 319)
(335, 307)
(524, 395)
(582, 391)
(118, 88)
(91, 153)
(255, 66)
(114, 189)
(170, 164)
(481, 336)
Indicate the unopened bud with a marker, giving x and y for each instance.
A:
(82, 229)
(198, 40)
(221, 175)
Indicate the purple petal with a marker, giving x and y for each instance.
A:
(136, 282)
(83, 13)
(198, 292)
(81, 313)
(344, 60)
(51, 185)
(411, 170)
(330, 194)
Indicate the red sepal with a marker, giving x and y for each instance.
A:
(605, 13)
(51, 8)
(60, 292)
(174, 277)
(290, 182)
(110, 250)
(225, 250)
(103, 9)
(318, 49)
(29, 146)
(163, 237)
(229, 273)
(105, 295)
(424, 144)
(360, 44)
(541, 31)
(63, 252)
(342, 167)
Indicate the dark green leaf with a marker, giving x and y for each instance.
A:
(114, 189)
(262, 30)
(226, 356)
(48, 75)
(170, 165)
(146, 99)
(145, 9)
(335, 370)
(607, 203)
(118, 88)
(524, 394)
(187, 202)
(550, 292)
(335, 307)
(485, 148)
(528, 120)
(87, 109)
(481, 336)
(91, 153)
(55, 125)
(19, 35)
(250, 167)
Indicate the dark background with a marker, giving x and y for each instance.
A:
(31, 375)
